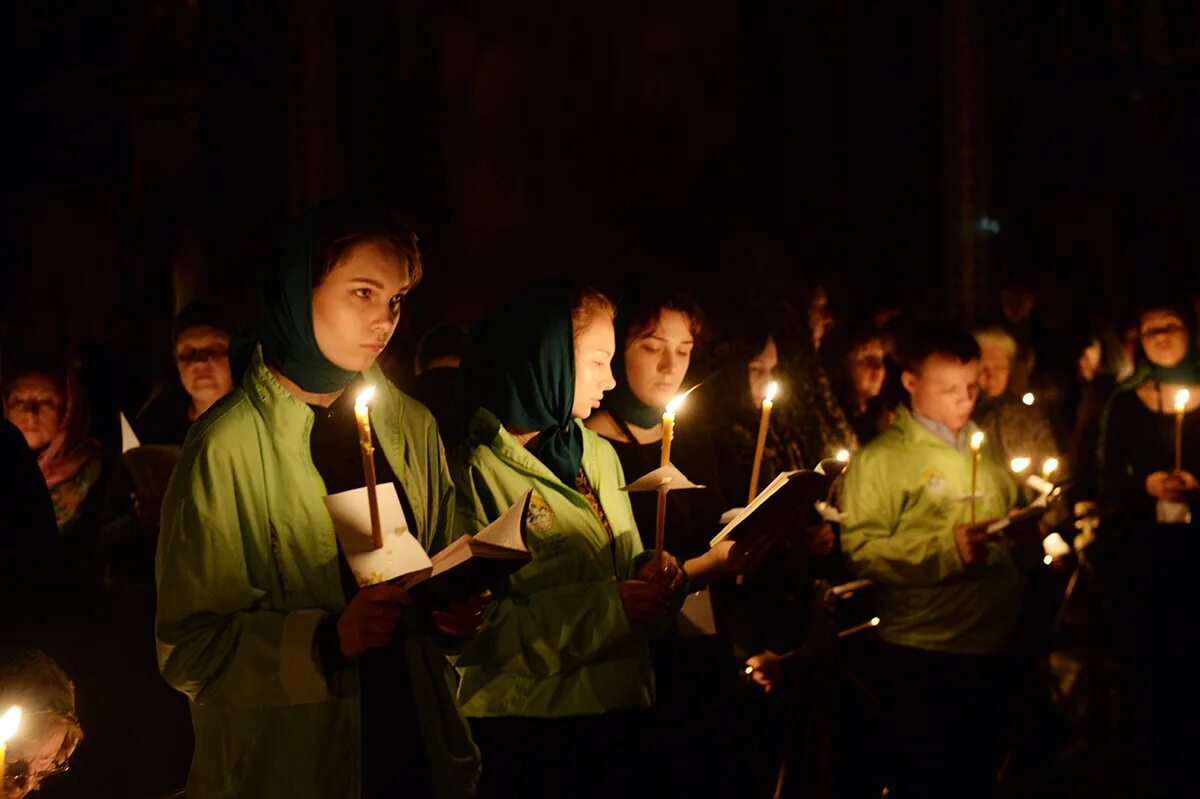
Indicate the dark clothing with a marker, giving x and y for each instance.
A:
(394, 760)
(585, 757)
(694, 515)
(29, 528)
(434, 388)
(1138, 442)
(695, 678)
(164, 419)
(735, 438)
(946, 721)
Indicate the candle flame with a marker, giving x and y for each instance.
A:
(674, 404)
(1027, 398)
(874, 621)
(977, 440)
(1181, 400)
(360, 403)
(1020, 464)
(772, 390)
(1047, 560)
(843, 456)
(9, 723)
(1049, 466)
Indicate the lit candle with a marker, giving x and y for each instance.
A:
(1049, 467)
(1027, 398)
(660, 515)
(1020, 464)
(976, 444)
(1181, 400)
(767, 403)
(368, 460)
(843, 456)
(9, 723)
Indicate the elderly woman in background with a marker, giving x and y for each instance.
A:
(1019, 428)
(47, 405)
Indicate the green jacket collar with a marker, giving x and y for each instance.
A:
(916, 432)
(486, 430)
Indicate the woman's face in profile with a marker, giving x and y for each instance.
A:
(1164, 337)
(594, 348)
(357, 305)
(35, 404)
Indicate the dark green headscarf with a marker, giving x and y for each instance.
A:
(520, 365)
(285, 325)
(621, 400)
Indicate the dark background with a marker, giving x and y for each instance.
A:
(157, 146)
(896, 150)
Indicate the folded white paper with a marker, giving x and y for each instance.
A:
(668, 475)
(401, 553)
(696, 616)
(129, 439)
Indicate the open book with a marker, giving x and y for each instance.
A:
(469, 566)
(1034, 510)
(775, 508)
(476, 563)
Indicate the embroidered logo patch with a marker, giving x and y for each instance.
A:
(540, 517)
(934, 482)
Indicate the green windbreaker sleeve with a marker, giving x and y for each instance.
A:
(876, 546)
(536, 631)
(441, 493)
(219, 639)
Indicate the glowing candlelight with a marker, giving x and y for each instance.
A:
(668, 422)
(976, 445)
(767, 403)
(368, 460)
(1027, 398)
(1049, 467)
(874, 622)
(9, 723)
(843, 456)
(1181, 400)
(1020, 464)
(660, 515)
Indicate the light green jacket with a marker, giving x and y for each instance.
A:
(903, 498)
(247, 566)
(558, 642)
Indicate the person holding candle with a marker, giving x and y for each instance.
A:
(49, 731)
(949, 596)
(657, 334)
(1150, 530)
(1015, 427)
(557, 682)
(301, 684)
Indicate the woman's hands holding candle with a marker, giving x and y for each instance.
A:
(370, 618)
(1178, 486)
(462, 619)
(669, 575)
(644, 601)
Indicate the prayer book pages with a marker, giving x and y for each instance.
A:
(476, 563)
(669, 474)
(775, 507)
(401, 555)
(150, 469)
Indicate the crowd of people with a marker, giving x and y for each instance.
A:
(576, 676)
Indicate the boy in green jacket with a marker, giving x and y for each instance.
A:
(949, 595)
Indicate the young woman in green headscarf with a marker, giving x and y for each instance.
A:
(557, 681)
(300, 684)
